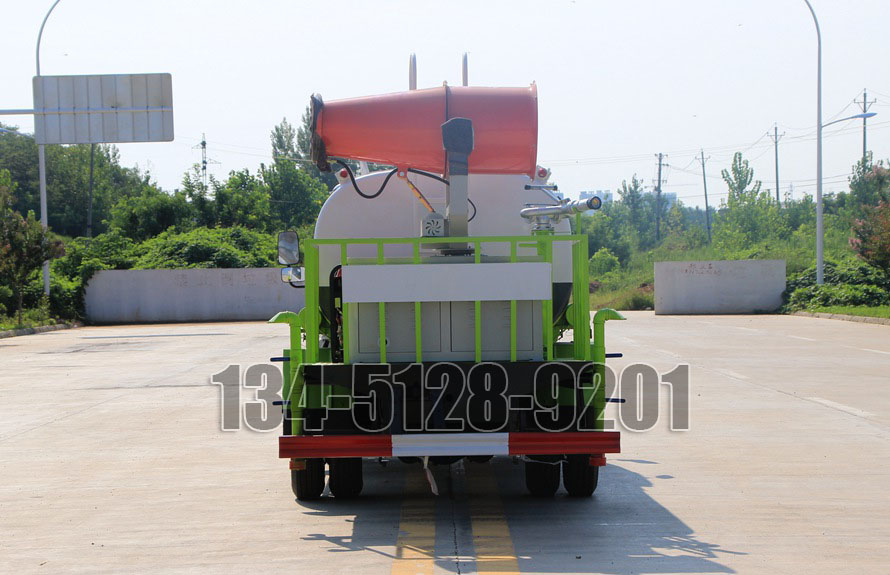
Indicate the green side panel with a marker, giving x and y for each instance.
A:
(418, 332)
(477, 309)
(345, 309)
(513, 309)
(312, 313)
(381, 312)
(296, 401)
(285, 372)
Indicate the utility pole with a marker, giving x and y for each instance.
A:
(775, 137)
(658, 201)
(204, 159)
(90, 207)
(864, 105)
(704, 179)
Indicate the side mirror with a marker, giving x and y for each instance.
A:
(289, 249)
(292, 275)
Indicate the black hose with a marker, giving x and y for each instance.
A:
(355, 185)
(386, 181)
(429, 175)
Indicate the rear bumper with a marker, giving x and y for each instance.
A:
(450, 444)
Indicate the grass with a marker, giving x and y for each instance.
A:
(882, 311)
(8, 323)
(30, 318)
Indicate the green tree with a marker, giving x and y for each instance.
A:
(243, 200)
(24, 244)
(869, 186)
(284, 139)
(739, 177)
(296, 189)
(303, 144)
(150, 213)
(68, 182)
(203, 210)
(632, 197)
(871, 236)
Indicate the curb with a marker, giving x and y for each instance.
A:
(856, 318)
(40, 329)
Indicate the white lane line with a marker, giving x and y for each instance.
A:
(841, 407)
(668, 353)
(875, 350)
(803, 338)
(867, 349)
(732, 373)
(746, 328)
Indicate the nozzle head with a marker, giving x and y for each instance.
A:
(594, 203)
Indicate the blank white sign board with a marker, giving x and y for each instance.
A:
(447, 282)
(108, 108)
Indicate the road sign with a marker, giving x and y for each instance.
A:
(108, 108)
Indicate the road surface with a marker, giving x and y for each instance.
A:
(112, 460)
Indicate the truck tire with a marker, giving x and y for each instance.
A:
(346, 477)
(307, 484)
(541, 479)
(578, 476)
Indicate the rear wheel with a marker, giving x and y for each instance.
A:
(346, 476)
(308, 483)
(541, 479)
(578, 476)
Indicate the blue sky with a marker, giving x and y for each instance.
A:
(618, 81)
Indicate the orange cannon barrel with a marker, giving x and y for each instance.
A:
(404, 129)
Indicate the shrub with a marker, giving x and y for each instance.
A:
(843, 295)
(850, 282)
(603, 262)
(207, 248)
(871, 236)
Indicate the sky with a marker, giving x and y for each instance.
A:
(618, 81)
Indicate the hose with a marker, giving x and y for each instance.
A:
(355, 185)
(386, 181)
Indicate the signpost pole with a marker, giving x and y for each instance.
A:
(41, 159)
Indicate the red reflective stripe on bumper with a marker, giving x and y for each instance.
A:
(563, 443)
(520, 443)
(335, 446)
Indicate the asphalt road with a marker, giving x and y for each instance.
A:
(112, 460)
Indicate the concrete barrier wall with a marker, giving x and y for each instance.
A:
(742, 286)
(137, 296)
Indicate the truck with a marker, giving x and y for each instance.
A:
(447, 312)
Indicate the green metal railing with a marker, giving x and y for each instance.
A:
(308, 321)
(543, 252)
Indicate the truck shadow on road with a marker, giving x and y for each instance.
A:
(621, 529)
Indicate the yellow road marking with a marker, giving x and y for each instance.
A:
(416, 545)
(491, 534)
